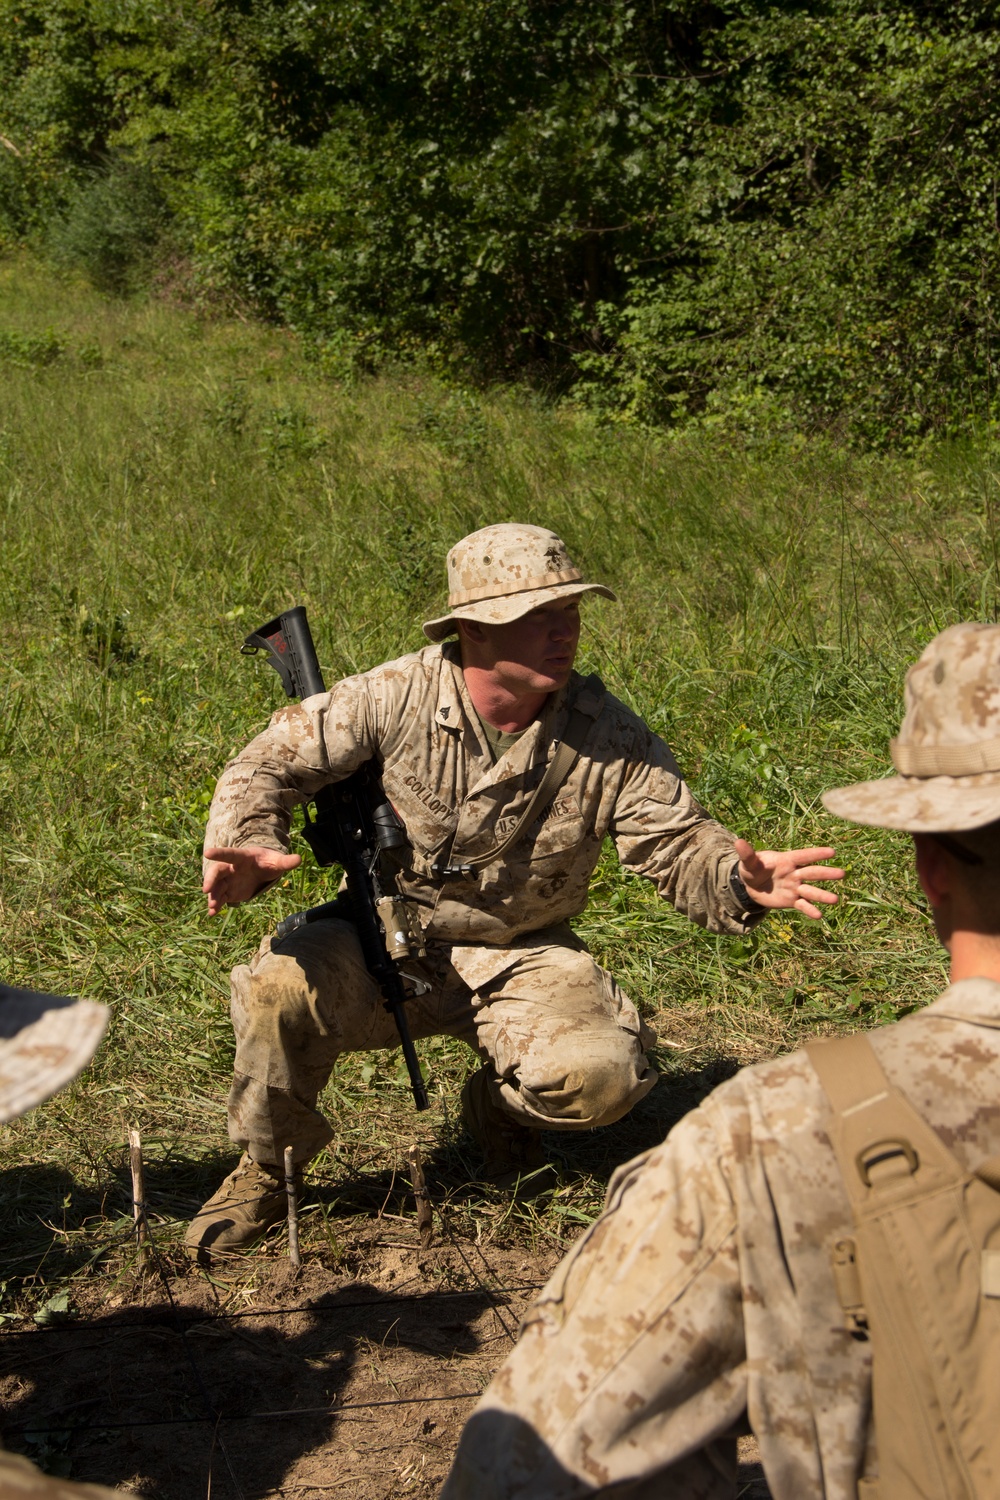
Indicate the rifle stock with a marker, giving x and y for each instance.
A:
(354, 824)
(290, 651)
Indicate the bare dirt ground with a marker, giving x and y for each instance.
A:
(353, 1375)
(327, 1381)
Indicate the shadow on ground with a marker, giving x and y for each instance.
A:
(314, 1393)
(52, 1227)
(184, 1403)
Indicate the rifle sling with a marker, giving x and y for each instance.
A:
(563, 760)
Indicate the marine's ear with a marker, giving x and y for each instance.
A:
(935, 870)
(471, 630)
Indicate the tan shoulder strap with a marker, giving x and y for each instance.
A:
(919, 1274)
(585, 709)
(849, 1071)
(885, 1148)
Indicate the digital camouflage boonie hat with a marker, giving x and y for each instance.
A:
(948, 749)
(45, 1041)
(500, 573)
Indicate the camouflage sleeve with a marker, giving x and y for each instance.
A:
(20, 1478)
(306, 746)
(662, 832)
(630, 1370)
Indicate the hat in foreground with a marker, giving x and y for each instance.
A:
(948, 749)
(45, 1041)
(500, 573)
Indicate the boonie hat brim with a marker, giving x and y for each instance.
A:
(920, 804)
(45, 1041)
(500, 611)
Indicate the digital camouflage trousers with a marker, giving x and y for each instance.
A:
(565, 1042)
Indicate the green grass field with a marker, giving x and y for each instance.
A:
(168, 482)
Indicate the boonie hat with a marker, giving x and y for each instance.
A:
(500, 573)
(948, 749)
(45, 1041)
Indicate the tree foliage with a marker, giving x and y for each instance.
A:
(688, 211)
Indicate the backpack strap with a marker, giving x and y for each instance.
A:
(586, 707)
(886, 1150)
(889, 1158)
(922, 1269)
(887, 1153)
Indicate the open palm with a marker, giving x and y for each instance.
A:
(783, 880)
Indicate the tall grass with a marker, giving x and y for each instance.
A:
(167, 483)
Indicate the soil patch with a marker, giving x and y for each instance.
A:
(294, 1384)
(299, 1384)
(354, 1374)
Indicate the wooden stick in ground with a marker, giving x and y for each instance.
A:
(293, 1209)
(138, 1195)
(425, 1218)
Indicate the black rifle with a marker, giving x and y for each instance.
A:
(355, 824)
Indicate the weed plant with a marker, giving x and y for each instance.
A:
(169, 483)
(113, 219)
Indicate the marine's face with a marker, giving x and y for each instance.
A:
(535, 653)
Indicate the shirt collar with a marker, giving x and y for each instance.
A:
(455, 710)
(975, 1000)
(450, 712)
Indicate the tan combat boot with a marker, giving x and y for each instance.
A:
(514, 1154)
(250, 1200)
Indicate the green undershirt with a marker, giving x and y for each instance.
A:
(498, 741)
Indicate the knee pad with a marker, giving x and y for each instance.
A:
(590, 1087)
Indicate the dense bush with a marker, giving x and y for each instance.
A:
(112, 222)
(740, 211)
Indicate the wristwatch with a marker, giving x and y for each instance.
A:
(741, 893)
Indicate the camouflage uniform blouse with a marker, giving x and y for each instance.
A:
(703, 1297)
(415, 716)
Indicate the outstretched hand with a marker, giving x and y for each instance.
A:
(234, 875)
(779, 880)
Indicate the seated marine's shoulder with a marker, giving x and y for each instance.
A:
(424, 663)
(769, 1101)
(617, 725)
(402, 674)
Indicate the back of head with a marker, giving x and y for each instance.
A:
(975, 868)
(947, 756)
(947, 752)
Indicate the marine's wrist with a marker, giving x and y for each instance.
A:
(747, 903)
